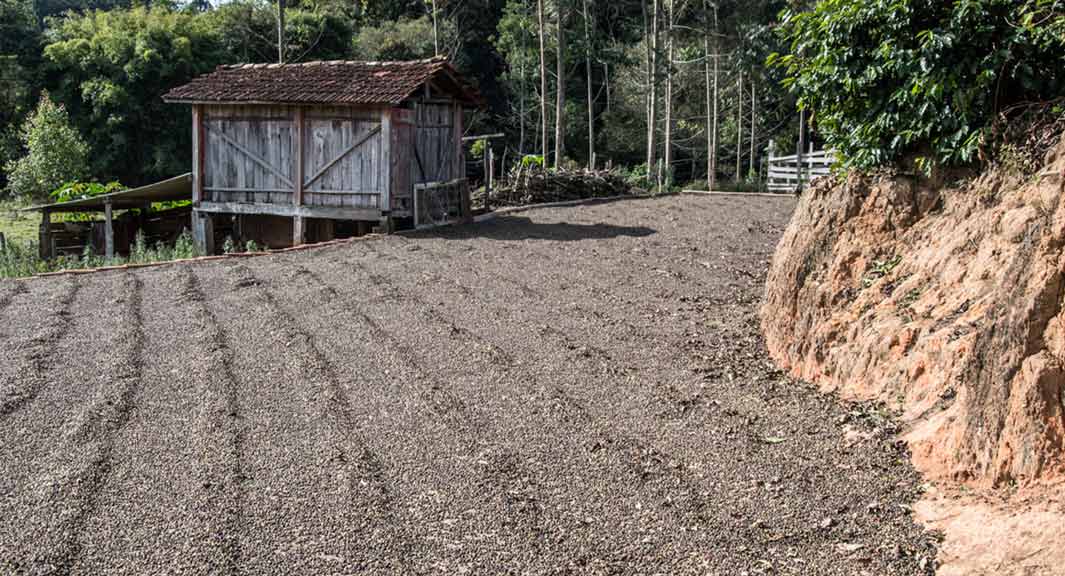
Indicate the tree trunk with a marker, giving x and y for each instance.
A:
(560, 88)
(280, 31)
(739, 128)
(606, 84)
(711, 101)
(652, 101)
(543, 82)
(521, 104)
(754, 111)
(436, 32)
(588, 74)
(668, 142)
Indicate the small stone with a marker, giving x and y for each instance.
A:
(828, 523)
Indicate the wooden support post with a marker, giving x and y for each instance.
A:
(298, 196)
(798, 151)
(109, 231)
(142, 220)
(198, 154)
(203, 232)
(388, 161)
(44, 237)
(487, 174)
(299, 235)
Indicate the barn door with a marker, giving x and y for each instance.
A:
(437, 169)
(403, 163)
(342, 162)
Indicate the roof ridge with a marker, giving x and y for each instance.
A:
(250, 65)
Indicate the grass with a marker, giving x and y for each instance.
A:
(18, 226)
(20, 258)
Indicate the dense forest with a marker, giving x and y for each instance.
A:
(686, 90)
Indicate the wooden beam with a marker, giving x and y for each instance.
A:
(298, 196)
(441, 184)
(483, 137)
(341, 156)
(109, 232)
(326, 212)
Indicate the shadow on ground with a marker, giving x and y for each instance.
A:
(523, 228)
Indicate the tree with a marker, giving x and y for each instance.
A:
(711, 97)
(668, 139)
(111, 69)
(55, 152)
(560, 84)
(543, 79)
(890, 79)
(588, 76)
(400, 40)
(652, 79)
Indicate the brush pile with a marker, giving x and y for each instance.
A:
(535, 185)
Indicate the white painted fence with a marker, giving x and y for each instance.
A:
(785, 172)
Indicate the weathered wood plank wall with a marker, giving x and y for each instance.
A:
(343, 158)
(251, 155)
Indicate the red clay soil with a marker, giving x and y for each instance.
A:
(578, 390)
(945, 302)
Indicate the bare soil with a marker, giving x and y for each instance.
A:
(578, 390)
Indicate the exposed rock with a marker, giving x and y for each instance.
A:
(945, 301)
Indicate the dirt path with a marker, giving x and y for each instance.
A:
(570, 390)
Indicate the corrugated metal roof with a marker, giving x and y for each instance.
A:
(322, 82)
(176, 188)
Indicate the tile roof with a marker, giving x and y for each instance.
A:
(322, 82)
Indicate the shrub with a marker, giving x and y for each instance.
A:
(888, 79)
(55, 152)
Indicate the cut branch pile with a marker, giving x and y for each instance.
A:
(534, 185)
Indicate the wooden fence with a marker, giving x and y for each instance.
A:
(785, 173)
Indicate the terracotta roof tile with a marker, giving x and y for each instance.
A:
(331, 82)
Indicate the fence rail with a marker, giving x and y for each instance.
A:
(785, 173)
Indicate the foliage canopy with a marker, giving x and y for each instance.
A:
(890, 79)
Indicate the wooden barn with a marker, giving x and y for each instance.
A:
(290, 153)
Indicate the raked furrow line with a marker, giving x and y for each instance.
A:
(183, 447)
(219, 436)
(313, 489)
(11, 289)
(659, 472)
(488, 364)
(66, 496)
(504, 481)
(22, 380)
